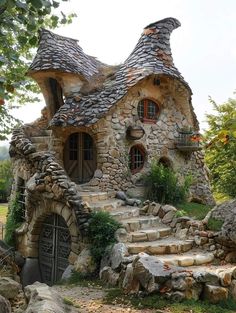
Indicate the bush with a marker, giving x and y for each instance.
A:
(101, 231)
(214, 224)
(163, 186)
(14, 220)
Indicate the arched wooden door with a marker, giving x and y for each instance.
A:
(80, 157)
(54, 248)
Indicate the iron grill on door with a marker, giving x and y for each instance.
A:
(54, 248)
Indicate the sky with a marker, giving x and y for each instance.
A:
(203, 48)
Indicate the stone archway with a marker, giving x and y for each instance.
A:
(52, 215)
(54, 248)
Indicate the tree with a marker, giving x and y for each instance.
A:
(221, 147)
(20, 21)
(5, 179)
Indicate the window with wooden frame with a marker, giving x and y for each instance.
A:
(136, 158)
(148, 111)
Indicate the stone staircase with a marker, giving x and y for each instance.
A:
(148, 234)
(42, 142)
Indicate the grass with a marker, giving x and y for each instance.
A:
(82, 280)
(155, 301)
(3, 212)
(195, 210)
(214, 224)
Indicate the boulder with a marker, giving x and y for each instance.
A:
(129, 283)
(121, 235)
(68, 272)
(108, 276)
(214, 294)
(9, 288)
(85, 263)
(5, 306)
(118, 253)
(226, 212)
(152, 273)
(43, 299)
(30, 272)
(206, 277)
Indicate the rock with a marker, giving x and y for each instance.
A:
(181, 233)
(30, 272)
(133, 202)
(121, 195)
(226, 212)
(177, 296)
(43, 299)
(231, 257)
(98, 174)
(68, 272)
(9, 288)
(206, 277)
(121, 235)
(5, 306)
(108, 276)
(215, 294)
(167, 208)
(151, 273)
(168, 217)
(130, 284)
(84, 263)
(226, 276)
(118, 253)
(232, 289)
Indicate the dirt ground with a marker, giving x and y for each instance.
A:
(90, 300)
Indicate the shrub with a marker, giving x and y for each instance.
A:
(163, 186)
(214, 224)
(14, 220)
(101, 231)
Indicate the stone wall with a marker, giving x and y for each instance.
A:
(48, 190)
(113, 146)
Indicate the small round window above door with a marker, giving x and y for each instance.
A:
(80, 160)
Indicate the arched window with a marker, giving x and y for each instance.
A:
(148, 111)
(137, 158)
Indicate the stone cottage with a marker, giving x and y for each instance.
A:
(99, 132)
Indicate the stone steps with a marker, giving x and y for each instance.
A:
(125, 212)
(93, 197)
(149, 234)
(138, 223)
(106, 205)
(188, 259)
(41, 142)
(162, 246)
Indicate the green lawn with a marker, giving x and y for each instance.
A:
(3, 212)
(195, 210)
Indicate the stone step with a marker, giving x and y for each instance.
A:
(144, 222)
(149, 234)
(125, 212)
(93, 196)
(47, 132)
(40, 146)
(40, 139)
(188, 259)
(106, 205)
(162, 246)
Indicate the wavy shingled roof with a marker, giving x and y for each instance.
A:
(151, 56)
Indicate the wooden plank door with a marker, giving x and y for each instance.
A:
(80, 157)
